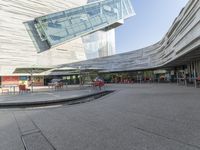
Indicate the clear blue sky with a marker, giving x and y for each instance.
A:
(152, 20)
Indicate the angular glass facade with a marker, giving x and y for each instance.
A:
(67, 25)
(99, 44)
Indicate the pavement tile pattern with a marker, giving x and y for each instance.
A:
(135, 117)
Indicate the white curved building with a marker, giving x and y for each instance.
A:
(17, 48)
(180, 47)
(53, 32)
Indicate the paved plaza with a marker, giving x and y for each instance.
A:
(134, 117)
(45, 96)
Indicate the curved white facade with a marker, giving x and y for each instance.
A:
(17, 48)
(180, 46)
(17, 45)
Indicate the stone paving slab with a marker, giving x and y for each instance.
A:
(36, 141)
(9, 132)
(136, 117)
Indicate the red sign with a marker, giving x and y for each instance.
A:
(10, 80)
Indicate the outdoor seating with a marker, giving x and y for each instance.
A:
(51, 85)
(59, 85)
(4, 90)
(56, 84)
(198, 81)
(22, 88)
(98, 83)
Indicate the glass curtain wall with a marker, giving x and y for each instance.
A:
(99, 44)
(73, 23)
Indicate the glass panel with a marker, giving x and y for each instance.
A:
(69, 24)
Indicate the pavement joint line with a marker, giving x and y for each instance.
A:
(166, 137)
(146, 131)
(26, 117)
(20, 132)
(23, 134)
(41, 132)
(24, 144)
(161, 118)
(30, 132)
(150, 132)
(154, 133)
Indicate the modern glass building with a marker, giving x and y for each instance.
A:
(48, 32)
(57, 28)
(99, 44)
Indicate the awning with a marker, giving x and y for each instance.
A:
(31, 70)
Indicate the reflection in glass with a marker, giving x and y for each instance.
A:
(70, 24)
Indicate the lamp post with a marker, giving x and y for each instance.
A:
(80, 80)
(31, 80)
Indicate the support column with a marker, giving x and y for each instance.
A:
(195, 81)
(177, 78)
